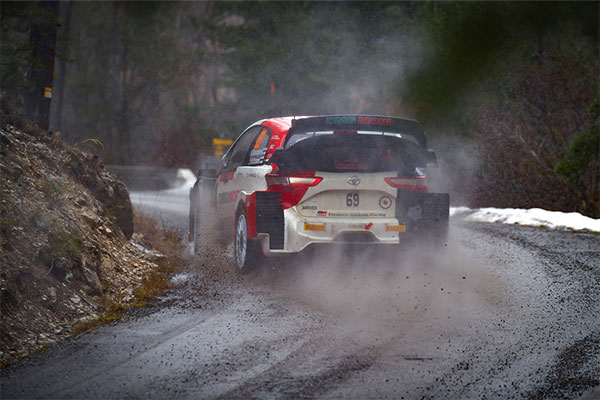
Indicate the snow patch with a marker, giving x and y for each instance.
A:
(184, 182)
(530, 217)
(180, 278)
(146, 251)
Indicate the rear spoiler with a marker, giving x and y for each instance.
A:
(375, 123)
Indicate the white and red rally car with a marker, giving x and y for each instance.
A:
(287, 183)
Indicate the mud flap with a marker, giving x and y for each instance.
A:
(423, 213)
(201, 205)
(269, 218)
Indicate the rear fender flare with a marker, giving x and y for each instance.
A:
(264, 215)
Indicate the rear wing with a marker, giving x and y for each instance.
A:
(375, 123)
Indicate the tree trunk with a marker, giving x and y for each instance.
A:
(123, 136)
(43, 44)
(62, 66)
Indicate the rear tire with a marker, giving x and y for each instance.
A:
(246, 251)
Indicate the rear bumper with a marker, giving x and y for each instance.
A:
(286, 231)
(301, 232)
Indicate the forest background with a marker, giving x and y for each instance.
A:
(507, 91)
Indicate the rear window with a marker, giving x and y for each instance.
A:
(259, 149)
(352, 152)
(295, 138)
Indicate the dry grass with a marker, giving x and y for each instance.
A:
(113, 311)
(154, 237)
(167, 242)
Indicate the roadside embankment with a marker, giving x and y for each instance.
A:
(70, 257)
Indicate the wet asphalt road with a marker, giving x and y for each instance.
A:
(502, 312)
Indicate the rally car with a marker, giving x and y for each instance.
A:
(291, 182)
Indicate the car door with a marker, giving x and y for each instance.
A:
(230, 182)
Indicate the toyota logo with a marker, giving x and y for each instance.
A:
(354, 180)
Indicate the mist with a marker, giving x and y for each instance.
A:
(385, 291)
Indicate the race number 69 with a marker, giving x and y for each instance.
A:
(352, 200)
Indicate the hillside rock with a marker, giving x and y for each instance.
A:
(65, 240)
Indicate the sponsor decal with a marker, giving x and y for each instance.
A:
(385, 202)
(315, 227)
(366, 120)
(369, 226)
(260, 138)
(395, 228)
(309, 207)
(228, 197)
(322, 213)
(370, 214)
(354, 180)
(257, 156)
(226, 176)
(374, 121)
(340, 120)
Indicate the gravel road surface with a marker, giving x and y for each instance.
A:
(503, 311)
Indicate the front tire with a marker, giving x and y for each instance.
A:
(246, 252)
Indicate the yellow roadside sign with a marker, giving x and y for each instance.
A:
(219, 145)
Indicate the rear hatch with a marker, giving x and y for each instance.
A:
(360, 172)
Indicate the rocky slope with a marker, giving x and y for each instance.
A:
(67, 246)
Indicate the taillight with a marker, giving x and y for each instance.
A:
(279, 183)
(416, 184)
(301, 182)
(292, 186)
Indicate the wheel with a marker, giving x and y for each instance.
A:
(246, 252)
